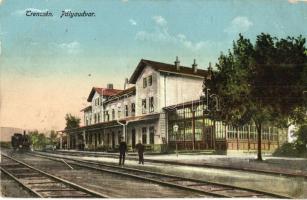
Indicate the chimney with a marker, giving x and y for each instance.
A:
(109, 86)
(194, 66)
(126, 83)
(177, 63)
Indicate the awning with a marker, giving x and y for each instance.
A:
(98, 126)
(113, 123)
(142, 118)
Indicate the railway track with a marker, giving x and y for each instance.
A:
(42, 184)
(204, 187)
(259, 171)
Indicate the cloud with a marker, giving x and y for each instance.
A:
(125, 1)
(239, 24)
(132, 22)
(159, 20)
(189, 44)
(161, 34)
(1, 1)
(71, 48)
(297, 1)
(23, 12)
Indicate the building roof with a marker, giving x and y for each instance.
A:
(166, 68)
(86, 108)
(123, 92)
(184, 104)
(102, 91)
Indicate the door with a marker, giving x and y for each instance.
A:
(133, 138)
(113, 140)
(96, 141)
(144, 135)
(208, 133)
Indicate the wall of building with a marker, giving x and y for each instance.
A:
(98, 108)
(7, 132)
(120, 105)
(138, 127)
(87, 117)
(176, 89)
(146, 93)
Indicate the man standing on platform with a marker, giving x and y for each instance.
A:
(122, 151)
(140, 148)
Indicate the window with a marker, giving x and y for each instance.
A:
(98, 116)
(107, 117)
(144, 135)
(126, 111)
(97, 102)
(151, 104)
(113, 114)
(132, 108)
(143, 106)
(118, 113)
(144, 83)
(150, 80)
(151, 135)
(95, 118)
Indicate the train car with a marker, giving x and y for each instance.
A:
(21, 142)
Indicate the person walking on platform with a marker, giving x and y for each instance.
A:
(122, 151)
(140, 148)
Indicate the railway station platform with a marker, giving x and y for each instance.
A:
(277, 165)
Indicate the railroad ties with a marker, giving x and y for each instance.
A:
(205, 187)
(42, 184)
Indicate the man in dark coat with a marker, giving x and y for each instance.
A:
(122, 151)
(140, 148)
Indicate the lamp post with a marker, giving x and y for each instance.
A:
(175, 129)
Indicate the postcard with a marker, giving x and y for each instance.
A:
(153, 99)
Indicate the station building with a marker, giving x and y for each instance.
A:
(158, 97)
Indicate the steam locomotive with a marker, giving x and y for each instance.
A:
(21, 142)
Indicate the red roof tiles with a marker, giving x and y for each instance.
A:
(102, 91)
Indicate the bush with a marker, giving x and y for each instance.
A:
(287, 149)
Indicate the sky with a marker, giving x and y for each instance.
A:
(48, 65)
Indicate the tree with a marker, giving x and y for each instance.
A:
(53, 137)
(72, 121)
(34, 138)
(261, 83)
(301, 139)
(38, 140)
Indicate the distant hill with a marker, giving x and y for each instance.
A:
(7, 132)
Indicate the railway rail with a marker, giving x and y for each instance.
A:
(41, 184)
(259, 171)
(200, 186)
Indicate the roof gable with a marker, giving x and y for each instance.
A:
(105, 92)
(164, 67)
